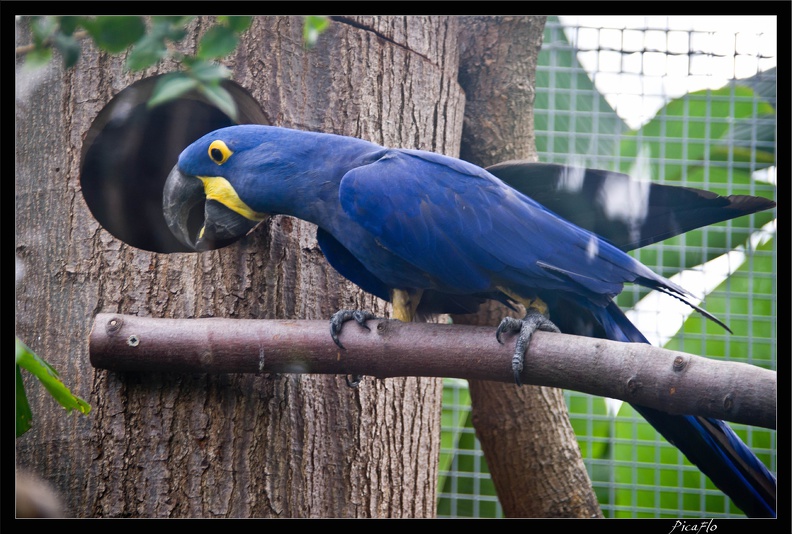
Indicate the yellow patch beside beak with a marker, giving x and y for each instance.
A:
(219, 189)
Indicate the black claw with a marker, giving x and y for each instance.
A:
(508, 324)
(533, 321)
(340, 317)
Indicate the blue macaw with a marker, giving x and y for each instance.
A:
(435, 234)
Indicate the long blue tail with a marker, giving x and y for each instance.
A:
(708, 443)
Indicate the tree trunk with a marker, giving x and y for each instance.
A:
(226, 445)
(528, 441)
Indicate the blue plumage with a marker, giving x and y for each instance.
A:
(406, 220)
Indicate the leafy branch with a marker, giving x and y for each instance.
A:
(149, 40)
(48, 376)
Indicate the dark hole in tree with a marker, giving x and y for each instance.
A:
(130, 149)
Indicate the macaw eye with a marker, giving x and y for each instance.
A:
(219, 152)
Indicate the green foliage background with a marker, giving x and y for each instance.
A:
(711, 139)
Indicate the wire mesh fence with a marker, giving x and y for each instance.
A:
(685, 101)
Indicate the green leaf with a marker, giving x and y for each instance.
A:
(682, 132)
(745, 300)
(152, 47)
(38, 57)
(456, 402)
(664, 478)
(567, 101)
(747, 142)
(713, 140)
(170, 87)
(221, 98)
(235, 23)
(644, 461)
(69, 49)
(24, 416)
(217, 42)
(313, 26)
(469, 474)
(114, 34)
(68, 24)
(589, 417)
(763, 83)
(42, 28)
(208, 72)
(170, 27)
(172, 20)
(48, 377)
(146, 52)
(176, 34)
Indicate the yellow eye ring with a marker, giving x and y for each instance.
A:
(219, 152)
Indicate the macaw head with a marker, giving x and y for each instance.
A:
(203, 199)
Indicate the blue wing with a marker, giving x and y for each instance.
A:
(472, 233)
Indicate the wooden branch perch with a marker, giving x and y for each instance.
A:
(671, 381)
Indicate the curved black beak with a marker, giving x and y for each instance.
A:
(199, 223)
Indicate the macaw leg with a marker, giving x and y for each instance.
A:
(536, 318)
(405, 302)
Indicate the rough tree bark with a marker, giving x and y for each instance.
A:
(525, 432)
(232, 445)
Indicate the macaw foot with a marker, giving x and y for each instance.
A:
(534, 320)
(337, 322)
(340, 317)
